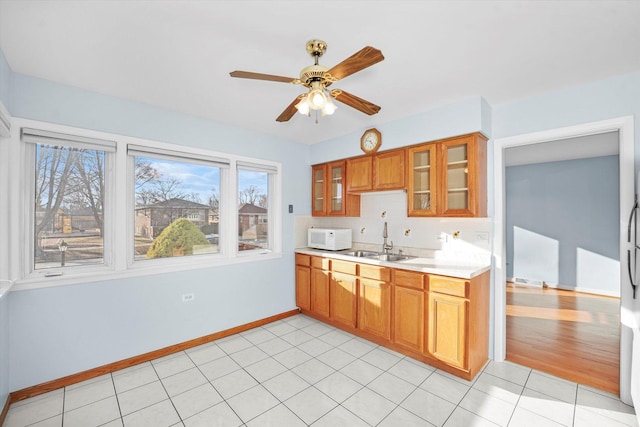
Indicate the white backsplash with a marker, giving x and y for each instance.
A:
(459, 239)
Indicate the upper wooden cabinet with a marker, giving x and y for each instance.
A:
(328, 192)
(383, 171)
(448, 177)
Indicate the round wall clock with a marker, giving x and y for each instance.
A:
(370, 141)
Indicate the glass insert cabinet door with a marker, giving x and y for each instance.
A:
(318, 189)
(422, 180)
(336, 172)
(457, 164)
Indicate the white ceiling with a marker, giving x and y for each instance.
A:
(177, 54)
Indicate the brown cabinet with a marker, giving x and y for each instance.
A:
(319, 289)
(383, 171)
(448, 177)
(329, 193)
(343, 292)
(409, 310)
(447, 329)
(303, 281)
(439, 320)
(374, 301)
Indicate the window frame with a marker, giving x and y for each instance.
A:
(119, 227)
(273, 202)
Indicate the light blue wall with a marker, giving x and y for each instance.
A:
(573, 203)
(59, 331)
(595, 101)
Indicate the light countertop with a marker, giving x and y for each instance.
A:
(450, 268)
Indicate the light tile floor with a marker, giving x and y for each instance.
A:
(300, 372)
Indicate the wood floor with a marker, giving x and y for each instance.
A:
(572, 335)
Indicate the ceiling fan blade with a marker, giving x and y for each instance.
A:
(360, 60)
(355, 102)
(289, 111)
(259, 76)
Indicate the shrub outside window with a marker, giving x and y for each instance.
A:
(177, 208)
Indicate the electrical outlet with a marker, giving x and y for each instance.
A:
(188, 297)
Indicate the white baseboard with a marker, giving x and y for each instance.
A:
(540, 284)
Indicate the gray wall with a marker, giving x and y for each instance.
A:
(570, 207)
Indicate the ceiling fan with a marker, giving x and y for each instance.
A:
(317, 78)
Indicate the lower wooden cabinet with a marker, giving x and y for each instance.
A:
(374, 307)
(439, 320)
(320, 292)
(408, 318)
(447, 329)
(343, 299)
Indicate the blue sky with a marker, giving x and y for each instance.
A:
(201, 179)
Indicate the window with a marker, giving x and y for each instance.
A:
(69, 194)
(177, 204)
(93, 207)
(253, 207)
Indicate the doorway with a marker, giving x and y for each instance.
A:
(626, 167)
(562, 241)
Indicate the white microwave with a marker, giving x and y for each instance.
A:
(332, 239)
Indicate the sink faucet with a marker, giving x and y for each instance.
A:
(386, 247)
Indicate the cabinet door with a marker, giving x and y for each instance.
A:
(320, 292)
(421, 193)
(388, 170)
(318, 188)
(463, 177)
(408, 318)
(303, 287)
(336, 189)
(447, 329)
(374, 307)
(359, 174)
(343, 298)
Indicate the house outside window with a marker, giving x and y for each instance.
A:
(176, 204)
(253, 209)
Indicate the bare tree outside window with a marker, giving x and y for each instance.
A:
(69, 206)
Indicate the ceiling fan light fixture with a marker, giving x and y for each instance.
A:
(317, 99)
(303, 106)
(329, 107)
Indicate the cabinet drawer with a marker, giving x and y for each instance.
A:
(409, 279)
(344, 267)
(319, 262)
(375, 272)
(449, 286)
(302, 259)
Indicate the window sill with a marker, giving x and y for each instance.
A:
(5, 287)
(140, 268)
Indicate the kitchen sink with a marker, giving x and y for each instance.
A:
(361, 254)
(390, 257)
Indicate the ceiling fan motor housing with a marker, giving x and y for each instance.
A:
(313, 73)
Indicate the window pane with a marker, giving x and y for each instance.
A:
(176, 208)
(69, 203)
(253, 210)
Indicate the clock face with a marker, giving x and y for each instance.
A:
(370, 141)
